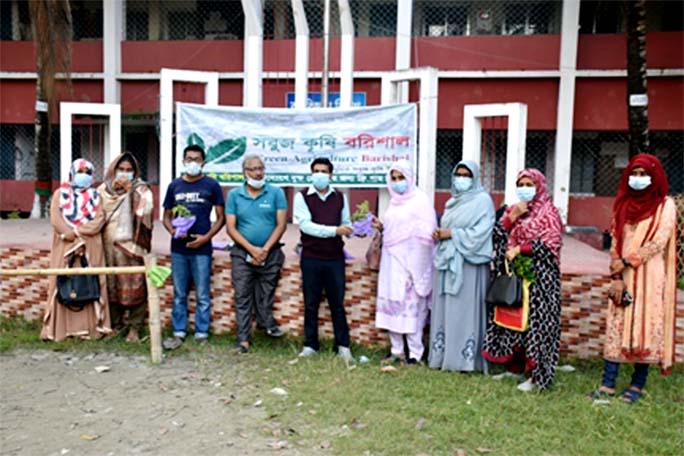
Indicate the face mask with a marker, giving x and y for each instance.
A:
(400, 186)
(256, 183)
(320, 180)
(83, 180)
(193, 168)
(639, 182)
(526, 193)
(462, 183)
(123, 175)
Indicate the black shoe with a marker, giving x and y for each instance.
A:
(275, 332)
(413, 361)
(241, 349)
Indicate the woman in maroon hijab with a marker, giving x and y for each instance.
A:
(641, 309)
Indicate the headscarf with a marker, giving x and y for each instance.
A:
(129, 213)
(78, 205)
(110, 175)
(409, 216)
(470, 216)
(542, 220)
(632, 206)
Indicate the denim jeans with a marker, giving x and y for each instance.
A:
(611, 369)
(183, 268)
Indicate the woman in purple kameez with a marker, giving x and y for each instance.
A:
(406, 264)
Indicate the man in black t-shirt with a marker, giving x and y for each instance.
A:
(191, 253)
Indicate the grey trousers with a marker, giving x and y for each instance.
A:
(254, 288)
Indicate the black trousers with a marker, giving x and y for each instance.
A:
(254, 288)
(328, 275)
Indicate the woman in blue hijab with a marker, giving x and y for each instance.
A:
(462, 259)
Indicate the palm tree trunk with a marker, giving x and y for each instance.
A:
(43, 187)
(636, 76)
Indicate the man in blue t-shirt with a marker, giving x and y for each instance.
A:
(256, 218)
(191, 252)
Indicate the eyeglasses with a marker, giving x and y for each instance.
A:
(255, 169)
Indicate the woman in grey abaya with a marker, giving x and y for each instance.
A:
(462, 260)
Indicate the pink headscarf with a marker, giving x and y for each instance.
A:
(542, 220)
(408, 224)
(410, 214)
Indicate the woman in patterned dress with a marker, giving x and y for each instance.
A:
(643, 272)
(531, 227)
(77, 220)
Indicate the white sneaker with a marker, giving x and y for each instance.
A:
(307, 352)
(507, 374)
(528, 386)
(345, 353)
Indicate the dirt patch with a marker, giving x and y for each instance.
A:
(54, 403)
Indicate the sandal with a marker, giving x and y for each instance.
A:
(599, 396)
(241, 349)
(630, 395)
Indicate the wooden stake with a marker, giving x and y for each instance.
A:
(154, 312)
(74, 271)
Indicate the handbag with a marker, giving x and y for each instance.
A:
(506, 290)
(77, 291)
(374, 252)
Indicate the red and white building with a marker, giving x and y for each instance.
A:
(565, 60)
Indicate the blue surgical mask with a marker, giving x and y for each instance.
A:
(462, 183)
(639, 182)
(399, 186)
(122, 175)
(193, 168)
(83, 180)
(526, 193)
(320, 180)
(256, 183)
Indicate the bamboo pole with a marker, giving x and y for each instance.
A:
(152, 292)
(74, 271)
(153, 313)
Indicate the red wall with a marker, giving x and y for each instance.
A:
(609, 52)
(540, 95)
(600, 104)
(476, 53)
(152, 56)
(21, 56)
(18, 98)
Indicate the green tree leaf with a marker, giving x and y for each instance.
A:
(195, 140)
(227, 150)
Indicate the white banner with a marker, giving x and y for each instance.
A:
(362, 143)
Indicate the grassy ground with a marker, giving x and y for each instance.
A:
(419, 411)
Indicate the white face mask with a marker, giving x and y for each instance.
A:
(256, 183)
(639, 182)
(124, 175)
(526, 193)
(193, 168)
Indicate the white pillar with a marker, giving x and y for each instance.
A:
(301, 54)
(346, 54)
(112, 20)
(427, 125)
(112, 141)
(515, 144)
(167, 78)
(402, 57)
(566, 106)
(253, 54)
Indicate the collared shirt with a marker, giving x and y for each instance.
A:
(256, 217)
(302, 215)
